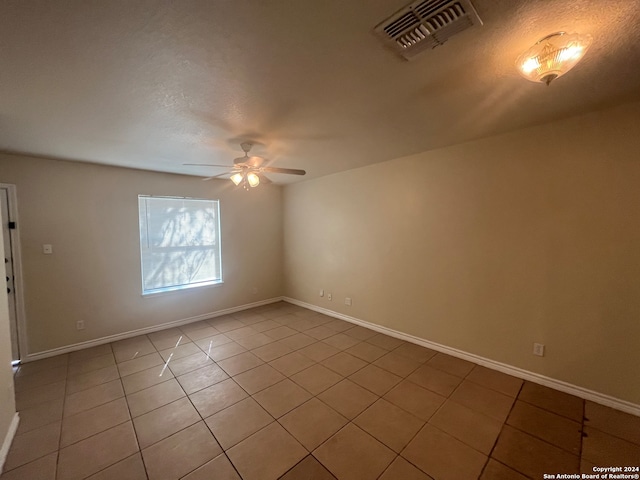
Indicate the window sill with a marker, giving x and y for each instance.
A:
(188, 288)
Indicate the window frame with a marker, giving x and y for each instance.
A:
(217, 249)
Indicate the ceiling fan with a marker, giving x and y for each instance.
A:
(248, 171)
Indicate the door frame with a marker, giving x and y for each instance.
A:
(21, 323)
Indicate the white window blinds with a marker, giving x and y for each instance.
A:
(179, 243)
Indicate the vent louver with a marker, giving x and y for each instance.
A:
(426, 24)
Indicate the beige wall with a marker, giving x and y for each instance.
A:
(7, 397)
(490, 246)
(89, 213)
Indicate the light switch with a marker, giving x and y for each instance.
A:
(47, 249)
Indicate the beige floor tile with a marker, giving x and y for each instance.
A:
(451, 365)
(385, 341)
(282, 397)
(318, 351)
(154, 397)
(181, 453)
(90, 364)
(91, 379)
(443, 457)
(195, 326)
(92, 397)
(40, 415)
(88, 353)
(495, 380)
(303, 324)
(201, 333)
(171, 341)
(174, 332)
(132, 348)
(258, 378)
(43, 468)
(397, 364)
(531, 456)
(339, 325)
(553, 400)
(389, 424)
(271, 351)
(347, 398)
(366, 351)
(254, 341)
(34, 396)
(217, 397)
(353, 454)
(320, 332)
(312, 423)
(613, 422)
(241, 333)
(361, 333)
(183, 350)
(201, 378)
(603, 449)
(164, 421)
(97, 452)
(226, 325)
(488, 402)
(41, 378)
(189, 363)
(291, 363)
(130, 468)
(235, 423)
(586, 466)
(555, 429)
(415, 352)
(219, 468)
(470, 427)
(265, 326)
(344, 363)
(267, 454)
(98, 419)
(308, 469)
(497, 471)
(139, 364)
(32, 445)
(146, 378)
(316, 379)
(400, 469)
(341, 341)
(375, 379)
(36, 366)
(209, 343)
(226, 350)
(435, 380)
(414, 399)
(240, 363)
(280, 332)
(297, 341)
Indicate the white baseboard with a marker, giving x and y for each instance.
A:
(578, 391)
(141, 331)
(8, 439)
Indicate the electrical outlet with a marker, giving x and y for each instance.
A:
(80, 325)
(538, 349)
(322, 292)
(329, 296)
(347, 301)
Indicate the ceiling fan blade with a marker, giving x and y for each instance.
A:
(208, 165)
(249, 161)
(289, 171)
(216, 176)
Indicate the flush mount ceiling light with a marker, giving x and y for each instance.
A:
(553, 56)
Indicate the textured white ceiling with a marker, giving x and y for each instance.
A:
(154, 84)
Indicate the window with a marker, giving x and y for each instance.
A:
(179, 243)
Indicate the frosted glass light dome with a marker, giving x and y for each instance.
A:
(553, 56)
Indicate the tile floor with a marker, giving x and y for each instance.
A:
(280, 392)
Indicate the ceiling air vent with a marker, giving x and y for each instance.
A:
(426, 24)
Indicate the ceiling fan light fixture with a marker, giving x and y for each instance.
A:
(253, 179)
(553, 56)
(236, 178)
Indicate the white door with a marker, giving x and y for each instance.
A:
(9, 267)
